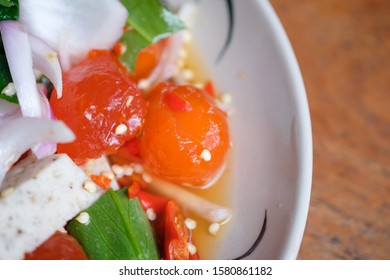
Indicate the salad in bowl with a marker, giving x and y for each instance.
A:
(119, 137)
(104, 131)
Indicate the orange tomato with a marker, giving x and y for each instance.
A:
(102, 104)
(185, 137)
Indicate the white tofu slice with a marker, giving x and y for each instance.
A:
(38, 198)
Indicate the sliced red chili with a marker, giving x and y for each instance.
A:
(176, 103)
(101, 180)
(210, 88)
(176, 234)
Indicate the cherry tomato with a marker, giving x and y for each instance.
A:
(102, 104)
(60, 246)
(185, 137)
(148, 58)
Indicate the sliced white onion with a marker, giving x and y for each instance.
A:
(167, 66)
(206, 209)
(18, 52)
(44, 149)
(8, 111)
(46, 61)
(72, 28)
(21, 134)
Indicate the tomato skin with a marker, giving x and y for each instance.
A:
(98, 96)
(182, 122)
(60, 246)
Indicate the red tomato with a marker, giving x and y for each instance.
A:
(102, 104)
(185, 137)
(60, 246)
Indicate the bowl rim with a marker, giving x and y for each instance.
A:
(304, 134)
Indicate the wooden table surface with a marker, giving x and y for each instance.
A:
(343, 49)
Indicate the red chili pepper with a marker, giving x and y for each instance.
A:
(175, 233)
(209, 87)
(177, 103)
(101, 180)
(152, 201)
(134, 189)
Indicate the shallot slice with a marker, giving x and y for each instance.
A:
(46, 61)
(72, 28)
(21, 134)
(19, 57)
(208, 210)
(44, 149)
(8, 111)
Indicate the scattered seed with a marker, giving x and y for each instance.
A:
(109, 175)
(143, 84)
(226, 98)
(147, 178)
(190, 223)
(214, 228)
(191, 248)
(83, 218)
(51, 56)
(129, 100)
(138, 168)
(118, 170)
(90, 186)
(121, 129)
(188, 74)
(205, 155)
(9, 90)
(150, 214)
(128, 170)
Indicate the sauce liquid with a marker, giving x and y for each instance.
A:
(207, 244)
(219, 193)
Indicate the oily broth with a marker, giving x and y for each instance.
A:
(220, 192)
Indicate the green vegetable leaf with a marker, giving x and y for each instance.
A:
(150, 22)
(9, 9)
(134, 43)
(5, 79)
(118, 229)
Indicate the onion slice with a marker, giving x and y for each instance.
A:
(19, 57)
(8, 111)
(72, 28)
(167, 66)
(21, 134)
(46, 61)
(208, 210)
(44, 149)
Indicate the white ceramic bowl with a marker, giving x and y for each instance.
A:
(272, 152)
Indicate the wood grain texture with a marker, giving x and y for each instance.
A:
(343, 48)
